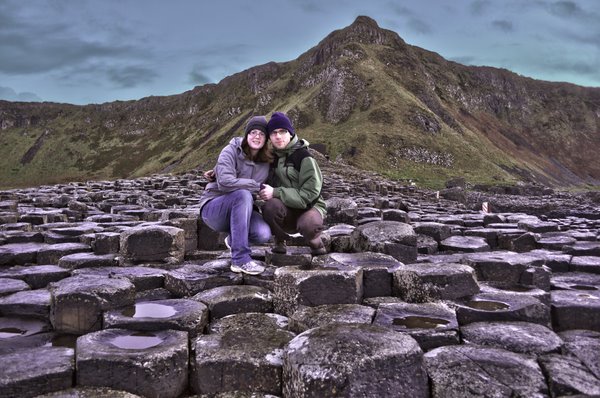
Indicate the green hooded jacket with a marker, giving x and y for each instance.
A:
(298, 189)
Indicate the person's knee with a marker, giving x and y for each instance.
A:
(242, 195)
(262, 234)
(273, 209)
(310, 224)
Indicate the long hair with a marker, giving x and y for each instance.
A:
(263, 155)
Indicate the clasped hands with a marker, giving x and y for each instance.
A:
(265, 193)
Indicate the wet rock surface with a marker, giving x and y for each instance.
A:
(150, 364)
(458, 301)
(343, 359)
(486, 371)
(242, 353)
(35, 371)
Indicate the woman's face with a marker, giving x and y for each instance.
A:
(256, 139)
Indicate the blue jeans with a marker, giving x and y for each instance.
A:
(233, 213)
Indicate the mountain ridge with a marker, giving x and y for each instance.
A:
(362, 94)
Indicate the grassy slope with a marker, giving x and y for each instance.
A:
(136, 138)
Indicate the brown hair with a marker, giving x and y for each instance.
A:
(263, 155)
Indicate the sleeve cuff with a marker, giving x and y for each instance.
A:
(277, 192)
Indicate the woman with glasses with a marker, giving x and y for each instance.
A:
(227, 204)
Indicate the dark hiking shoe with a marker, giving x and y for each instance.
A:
(280, 247)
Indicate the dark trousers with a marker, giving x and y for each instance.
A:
(284, 220)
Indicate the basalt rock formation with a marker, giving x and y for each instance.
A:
(116, 288)
(362, 95)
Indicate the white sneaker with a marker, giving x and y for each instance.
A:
(227, 238)
(251, 268)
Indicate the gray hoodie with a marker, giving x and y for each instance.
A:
(234, 171)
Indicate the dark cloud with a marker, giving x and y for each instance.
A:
(419, 26)
(480, 7)
(310, 6)
(412, 21)
(400, 10)
(117, 76)
(198, 77)
(7, 93)
(564, 9)
(503, 25)
(28, 46)
(575, 67)
(131, 76)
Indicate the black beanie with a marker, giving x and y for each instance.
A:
(279, 120)
(256, 123)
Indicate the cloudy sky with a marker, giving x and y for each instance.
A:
(93, 51)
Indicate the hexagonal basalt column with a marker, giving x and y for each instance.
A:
(573, 309)
(35, 371)
(193, 278)
(51, 254)
(506, 267)
(15, 332)
(150, 364)
(78, 302)
(295, 287)
(353, 360)
(378, 269)
(430, 324)
(390, 237)
(520, 337)
(242, 353)
(9, 286)
(177, 314)
(468, 244)
(33, 303)
(473, 371)
(143, 278)
(430, 282)
(89, 392)
(310, 317)
(228, 300)
(295, 255)
(155, 243)
(36, 276)
(502, 307)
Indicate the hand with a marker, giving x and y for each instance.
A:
(210, 175)
(266, 192)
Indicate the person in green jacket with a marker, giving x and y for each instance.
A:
(293, 197)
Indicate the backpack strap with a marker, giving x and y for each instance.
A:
(297, 157)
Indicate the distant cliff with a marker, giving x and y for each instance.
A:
(362, 93)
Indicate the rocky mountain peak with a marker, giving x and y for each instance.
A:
(363, 30)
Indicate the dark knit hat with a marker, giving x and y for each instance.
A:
(279, 120)
(256, 123)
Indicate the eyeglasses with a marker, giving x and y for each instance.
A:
(279, 132)
(255, 133)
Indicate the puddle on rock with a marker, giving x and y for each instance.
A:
(487, 305)
(136, 341)
(149, 310)
(420, 322)
(587, 296)
(583, 287)
(7, 333)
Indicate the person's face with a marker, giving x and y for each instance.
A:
(256, 139)
(280, 138)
